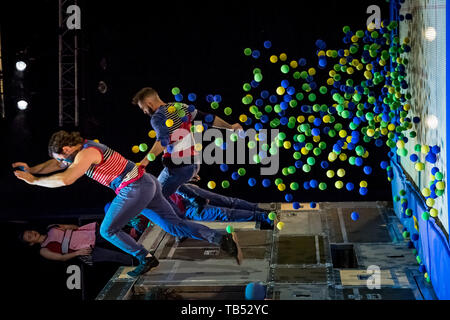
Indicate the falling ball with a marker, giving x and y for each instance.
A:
(225, 184)
(135, 149)
(152, 134)
(143, 147)
(296, 205)
(230, 229)
(252, 182)
(151, 157)
(355, 216)
(280, 225)
(266, 183)
(272, 215)
(211, 185)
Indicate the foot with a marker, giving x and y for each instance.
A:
(230, 245)
(144, 266)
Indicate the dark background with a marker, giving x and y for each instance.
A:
(195, 46)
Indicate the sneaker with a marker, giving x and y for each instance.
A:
(230, 245)
(144, 266)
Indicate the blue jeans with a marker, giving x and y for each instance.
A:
(189, 191)
(146, 194)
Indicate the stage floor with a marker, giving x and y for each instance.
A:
(320, 254)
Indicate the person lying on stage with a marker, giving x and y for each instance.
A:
(135, 189)
(63, 242)
(202, 205)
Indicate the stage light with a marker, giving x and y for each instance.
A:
(22, 105)
(430, 34)
(21, 66)
(432, 122)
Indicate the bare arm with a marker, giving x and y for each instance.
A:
(220, 123)
(83, 161)
(49, 166)
(157, 149)
(68, 226)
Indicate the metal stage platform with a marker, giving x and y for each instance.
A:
(320, 254)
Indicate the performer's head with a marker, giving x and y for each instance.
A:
(148, 100)
(31, 237)
(64, 146)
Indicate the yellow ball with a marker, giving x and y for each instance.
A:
(330, 174)
(370, 132)
(281, 91)
(430, 202)
(312, 72)
(363, 184)
(243, 118)
(330, 81)
(171, 109)
(440, 185)
(294, 64)
(198, 147)
(341, 173)
(332, 156)
(342, 133)
(96, 141)
(301, 119)
(169, 123)
(316, 139)
(287, 145)
(419, 166)
(343, 157)
(311, 119)
(304, 151)
(199, 128)
(426, 192)
(326, 119)
(135, 149)
(366, 155)
(434, 213)
(425, 149)
(274, 59)
(282, 187)
(211, 185)
(152, 134)
(283, 57)
(339, 184)
(280, 226)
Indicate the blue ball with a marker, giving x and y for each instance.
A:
(255, 291)
(267, 44)
(313, 205)
(256, 54)
(350, 186)
(273, 99)
(296, 205)
(306, 186)
(289, 197)
(179, 97)
(363, 191)
(414, 158)
(259, 102)
(251, 182)
(384, 165)
(235, 176)
(315, 132)
(415, 237)
(422, 268)
(191, 108)
(299, 164)
(107, 207)
(359, 161)
(217, 98)
(265, 94)
(302, 62)
(170, 148)
(314, 184)
(324, 165)
(248, 122)
(355, 216)
(266, 183)
(431, 158)
(224, 167)
(209, 118)
(164, 142)
(367, 170)
(434, 171)
(258, 126)
(242, 134)
(223, 146)
(436, 150)
(192, 97)
(185, 119)
(285, 83)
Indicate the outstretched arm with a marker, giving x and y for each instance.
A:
(49, 166)
(220, 123)
(82, 162)
(157, 149)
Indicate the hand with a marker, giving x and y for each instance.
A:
(21, 164)
(236, 126)
(25, 176)
(84, 252)
(144, 163)
(196, 178)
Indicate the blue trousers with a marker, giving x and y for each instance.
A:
(146, 194)
(172, 179)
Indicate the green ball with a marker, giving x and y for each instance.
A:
(256, 159)
(311, 161)
(251, 144)
(439, 176)
(218, 142)
(258, 77)
(175, 91)
(323, 90)
(294, 186)
(214, 105)
(292, 170)
(143, 147)
(285, 68)
(230, 229)
(406, 235)
(322, 186)
(234, 137)
(306, 168)
(242, 172)
(225, 184)
(426, 216)
(272, 215)
(278, 181)
(285, 172)
(227, 111)
(402, 193)
(151, 157)
(396, 198)
(409, 212)
(247, 51)
(247, 87)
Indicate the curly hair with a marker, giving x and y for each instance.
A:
(61, 139)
